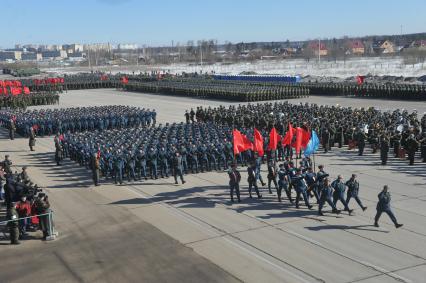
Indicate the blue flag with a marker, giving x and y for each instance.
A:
(313, 144)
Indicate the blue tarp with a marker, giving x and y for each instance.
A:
(258, 78)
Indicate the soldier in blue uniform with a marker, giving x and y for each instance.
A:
(326, 194)
(301, 188)
(384, 206)
(152, 159)
(338, 194)
(283, 183)
(178, 168)
(353, 190)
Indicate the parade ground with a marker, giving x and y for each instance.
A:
(156, 231)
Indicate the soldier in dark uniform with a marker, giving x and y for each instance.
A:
(58, 150)
(326, 194)
(12, 129)
(325, 138)
(272, 175)
(384, 149)
(353, 191)
(411, 145)
(152, 159)
(7, 165)
(234, 182)
(251, 179)
(360, 139)
(311, 180)
(283, 183)
(95, 166)
(141, 164)
(32, 139)
(396, 143)
(13, 225)
(301, 188)
(187, 118)
(384, 206)
(178, 168)
(338, 194)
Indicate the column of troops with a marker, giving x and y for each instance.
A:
(224, 90)
(32, 99)
(370, 90)
(70, 120)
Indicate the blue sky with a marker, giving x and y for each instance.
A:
(158, 22)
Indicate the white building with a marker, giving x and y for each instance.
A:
(127, 46)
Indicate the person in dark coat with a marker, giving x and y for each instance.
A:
(32, 139)
(384, 206)
(353, 190)
(384, 149)
(251, 179)
(234, 182)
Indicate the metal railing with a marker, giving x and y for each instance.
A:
(52, 232)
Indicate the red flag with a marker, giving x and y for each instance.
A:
(288, 136)
(26, 90)
(15, 90)
(298, 144)
(306, 136)
(241, 142)
(124, 80)
(273, 139)
(360, 80)
(258, 142)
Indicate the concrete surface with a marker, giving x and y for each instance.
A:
(157, 231)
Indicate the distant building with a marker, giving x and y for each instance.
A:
(54, 55)
(98, 47)
(10, 55)
(31, 56)
(356, 47)
(384, 47)
(318, 48)
(77, 57)
(127, 46)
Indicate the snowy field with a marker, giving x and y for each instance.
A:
(373, 66)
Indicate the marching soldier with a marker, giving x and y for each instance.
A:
(338, 194)
(384, 206)
(234, 182)
(353, 191)
(326, 194)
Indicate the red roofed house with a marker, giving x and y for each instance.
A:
(318, 47)
(356, 47)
